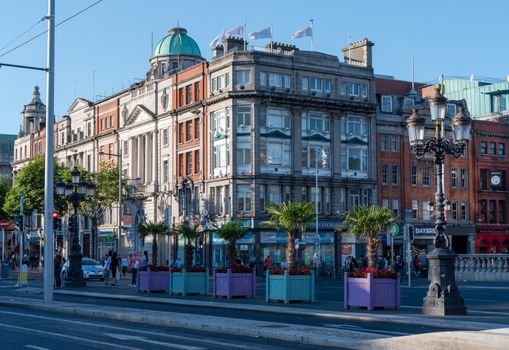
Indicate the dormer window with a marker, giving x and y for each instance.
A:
(386, 104)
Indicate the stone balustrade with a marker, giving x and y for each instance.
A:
(482, 267)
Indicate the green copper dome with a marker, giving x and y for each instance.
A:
(177, 42)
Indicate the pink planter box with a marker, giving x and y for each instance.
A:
(231, 284)
(149, 281)
(371, 292)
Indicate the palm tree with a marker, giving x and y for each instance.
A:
(154, 230)
(292, 218)
(231, 232)
(190, 234)
(367, 222)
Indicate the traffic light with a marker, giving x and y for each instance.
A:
(56, 220)
(411, 233)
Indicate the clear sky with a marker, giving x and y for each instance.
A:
(450, 37)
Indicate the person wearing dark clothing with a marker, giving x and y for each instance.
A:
(114, 266)
(58, 267)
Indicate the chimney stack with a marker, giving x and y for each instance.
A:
(359, 52)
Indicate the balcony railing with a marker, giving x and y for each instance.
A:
(482, 267)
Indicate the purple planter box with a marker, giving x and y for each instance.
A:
(149, 281)
(231, 284)
(371, 292)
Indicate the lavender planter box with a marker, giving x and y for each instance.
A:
(290, 287)
(149, 281)
(231, 284)
(371, 292)
(189, 282)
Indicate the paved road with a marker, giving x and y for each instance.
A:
(28, 329)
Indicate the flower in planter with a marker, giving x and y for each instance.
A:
(300, 271)
(155, 268)
(363, 273)
(196, 269)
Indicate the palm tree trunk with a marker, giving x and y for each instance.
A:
(372, 248)
(154, 250)
(188, 254)
(291, 250)
(230, 253)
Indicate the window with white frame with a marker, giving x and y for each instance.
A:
(221, 81)
(464, 211)
(243, 151)
(414, 172)
(315, 122)
(165, 171)
(342, 88)
(220, 155)
(243, 198)
(275, 152)
(353, 89)
(395, 174)
(415, 208)
(385, 174)
(243, 116)
(242, 76)
(408, 102)
(463, 178)
(277, 80)
(275, 194)
(125, 151)
(395, 207)
(451, 109)
(384, 142)
(454, 177)
(165, 137)
(394, 143)
(426, 210)
(426, 176)
(277, 118)
(312, 155)
(355, 126)
(355, 158)
(262, 196)
(385, 203)
(219, 121)
(454, 210)
(386, 104)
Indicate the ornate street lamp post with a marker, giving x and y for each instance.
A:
(443, 297)
(75, 192)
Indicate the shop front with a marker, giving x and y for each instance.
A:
(492, 240)
(105, 242)
(245, 249)
(459, 236)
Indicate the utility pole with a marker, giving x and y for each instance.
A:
(49, 163)
(20, 235)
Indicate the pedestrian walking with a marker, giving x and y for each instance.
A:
(266, 264)
(125, 265)
(283, 263)
(144, 260)
(178, 263)
(107, 263)
(134, 265)
(115, 269)
(417, 265)
(57, 264)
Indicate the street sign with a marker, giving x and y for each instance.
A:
(394, 229)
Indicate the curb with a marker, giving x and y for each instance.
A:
(307, 335)
(395, 319)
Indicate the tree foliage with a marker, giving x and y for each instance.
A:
(5, 185)
(231, 232)
(189, 234)
(154, 230)
(292, 218)
(30, 182)
(367, 222)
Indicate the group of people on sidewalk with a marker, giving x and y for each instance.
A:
(115, 267)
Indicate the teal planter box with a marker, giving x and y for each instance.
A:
(189, 282)
(290, 287)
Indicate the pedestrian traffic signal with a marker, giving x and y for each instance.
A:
(411, 233)
(56, 220)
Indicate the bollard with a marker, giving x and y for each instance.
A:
(24, 275)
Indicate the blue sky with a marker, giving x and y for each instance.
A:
(455, 38)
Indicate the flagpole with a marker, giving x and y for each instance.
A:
(349, 50)
(312, 44)
(245, 42)
(271, 38)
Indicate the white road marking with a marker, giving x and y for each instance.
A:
(123, 329)
(155, 342)
(84, 340)
(360, 329)
(36, 347)
(472, 312)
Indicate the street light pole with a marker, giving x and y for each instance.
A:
(443, 297)
(49, 175)
(322, 155)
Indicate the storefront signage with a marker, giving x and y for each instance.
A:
(394, 229)
(247, 239)
(424, 231)
(325, 224)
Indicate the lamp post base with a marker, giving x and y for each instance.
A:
(75, 271)
(443, 297)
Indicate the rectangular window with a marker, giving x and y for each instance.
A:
(454, 210)
(426, 213)
(125, 151)
(243, 198)
(408, 102)
(328, 85)
(357, 158)
(165, 137)
(493, 146)
(181, 165)
(316, 84)
(414, 172)
(242, 77)
(181, 97)
(501, 212)
(454, 177)
(357, 126)
(263, 78)
(277, 118)
(451, 110)
(501, 149)
(196, 124)
(342, 88)
(219, 121)
(394, 143)
(189, 94)
(165, 171)
(196, 162)
(482, 211)
(243, 116)
(189, 130)
(463, 211)
(364, 90)
(385, 203)
(483, 179)
(220, 156)
(262, 190)
(387, 104)
(395, 207)
(415, 208)
(484, 147)
(353, 89)
(276, 80)
(384, 142)
(304, 83)
(197, 96)
(189, 163)
(426, 176)
(181, 133)
(463, 178)
(493, 212)
(89, 129)
(395, 174)
(244, 153)
(275, 194)
(385, 174)
(287, 80)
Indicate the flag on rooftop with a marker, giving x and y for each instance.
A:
(262, 33)
(238, 31)
(308, 31)
(213, 44)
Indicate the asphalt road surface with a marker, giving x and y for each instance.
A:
(28, 329)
